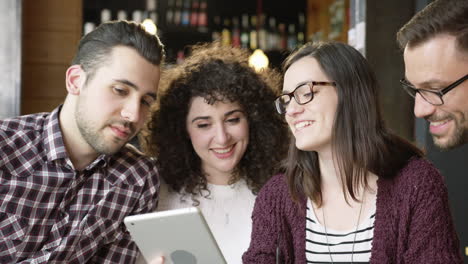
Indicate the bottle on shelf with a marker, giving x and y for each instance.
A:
(253, 33)
(137, 16)
(272, 35)
(262, 33)
(292, 39)
(151, 12)
(283, 38)
(245, 34)
(301, 29)
(151, 5)
(170, 12)
(185, 15)
(203, 16)
(216, 31)
(121, 15)
(195, 12)
(105, 15)
(88, 27)
(153, 15)
(236, 40)
(226, 33)
(238, 28)
(178, 13)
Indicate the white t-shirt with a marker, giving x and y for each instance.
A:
(227, 211)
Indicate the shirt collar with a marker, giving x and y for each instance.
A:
(53, 138)
(55, 146)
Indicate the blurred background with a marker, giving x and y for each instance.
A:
(40, 37)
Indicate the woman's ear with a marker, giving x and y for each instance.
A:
(75, 79)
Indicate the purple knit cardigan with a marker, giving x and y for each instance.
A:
(413, 223)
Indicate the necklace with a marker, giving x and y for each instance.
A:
(355, 231)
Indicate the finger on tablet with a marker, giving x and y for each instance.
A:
(159, 260)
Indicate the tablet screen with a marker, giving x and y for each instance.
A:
(181, 236)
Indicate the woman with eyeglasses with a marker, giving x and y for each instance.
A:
(353, 192)
(218, 139)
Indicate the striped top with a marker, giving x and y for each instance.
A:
(340, 242)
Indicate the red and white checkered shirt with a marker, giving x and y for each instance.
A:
(51, 213)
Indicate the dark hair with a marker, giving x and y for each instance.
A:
(94, 48)
(216, 74)
(439, 17)
(360, 141)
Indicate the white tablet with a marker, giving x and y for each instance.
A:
(182, 236)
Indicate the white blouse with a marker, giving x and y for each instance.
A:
(227, 211)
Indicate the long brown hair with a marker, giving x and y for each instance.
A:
(360, 141)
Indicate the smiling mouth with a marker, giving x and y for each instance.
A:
(303, 124)
(223, 150)
(438, 123)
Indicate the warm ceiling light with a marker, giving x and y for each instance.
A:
(149, 26)
(258, 60)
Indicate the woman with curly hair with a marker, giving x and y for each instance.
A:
(218, 139)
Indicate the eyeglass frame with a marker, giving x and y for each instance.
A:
(440, 93)
(311, 85)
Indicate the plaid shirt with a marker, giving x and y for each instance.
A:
(51, 213)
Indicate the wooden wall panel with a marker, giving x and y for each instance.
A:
(40, 104)
(51, 32)
(44, 80)
(49, 47)
(53, 15)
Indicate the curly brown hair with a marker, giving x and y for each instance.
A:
(216, 74)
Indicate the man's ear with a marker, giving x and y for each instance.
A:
(75, 79)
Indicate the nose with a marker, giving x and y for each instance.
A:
(422, 108)
(131, 111)
(222, 135)
(293, 108)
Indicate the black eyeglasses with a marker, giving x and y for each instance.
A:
(433, 97)
(302, 94)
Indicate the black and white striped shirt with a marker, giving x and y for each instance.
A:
(340, 243)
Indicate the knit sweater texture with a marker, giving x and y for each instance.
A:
(413, 223)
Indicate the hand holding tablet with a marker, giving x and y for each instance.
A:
(181, 236)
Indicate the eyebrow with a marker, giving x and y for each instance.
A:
(297, 85)
(134, 86)
(431, 82)
(225, 115)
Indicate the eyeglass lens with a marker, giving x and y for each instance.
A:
(302, 94)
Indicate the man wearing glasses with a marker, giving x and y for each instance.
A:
(435, 44)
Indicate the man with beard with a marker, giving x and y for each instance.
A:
(435, 44)
(68, 178)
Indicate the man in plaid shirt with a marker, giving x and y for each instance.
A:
(68, 178)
